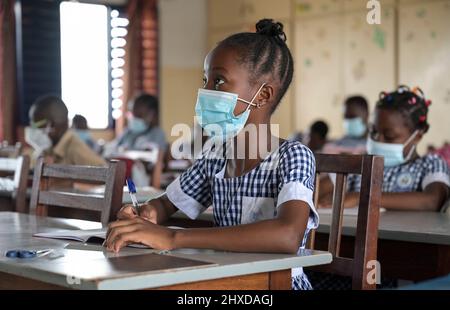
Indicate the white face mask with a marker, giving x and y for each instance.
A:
(38, 138)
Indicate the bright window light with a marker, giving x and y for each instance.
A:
(117, 83)
(84, 61)
(118, 42)
(117, 52)
(119, 22)
(118, 32)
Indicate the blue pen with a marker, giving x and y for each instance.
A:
(132, 191)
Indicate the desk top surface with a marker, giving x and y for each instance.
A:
(73, 264)
(425, 227)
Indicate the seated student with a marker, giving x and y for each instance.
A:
(260, 203)
(79, 125)
(317, 137)
(356, 116)
(411, 182)
(49, 135)
(142, 132)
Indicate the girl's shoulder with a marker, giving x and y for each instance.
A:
(432, 161)
(295, 151)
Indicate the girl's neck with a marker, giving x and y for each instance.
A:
(254, 142)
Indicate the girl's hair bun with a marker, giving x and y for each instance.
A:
(270, 28)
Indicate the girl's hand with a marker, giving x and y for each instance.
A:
(138, 230)
(146, 211)
(351, 200)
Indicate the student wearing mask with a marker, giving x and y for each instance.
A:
(50, 136)
(410, 181)
(356, 115)
(142, 132)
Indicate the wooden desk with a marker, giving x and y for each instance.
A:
(74, 265)
(411, 245)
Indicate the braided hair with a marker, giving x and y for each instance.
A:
(264, 52)
(411, 103)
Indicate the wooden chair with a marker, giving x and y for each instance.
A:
(365, 247)
(107, 204)
(19, 168)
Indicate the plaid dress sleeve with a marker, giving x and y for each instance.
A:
(297, 170)
(436, 171)
(191, 191)
(353, 183)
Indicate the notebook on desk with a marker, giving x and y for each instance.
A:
(85, 236)
(96, 236)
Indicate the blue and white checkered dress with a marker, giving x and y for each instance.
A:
(413, 176)
(286, 174)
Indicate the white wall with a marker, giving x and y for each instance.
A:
(183, 41)
(183, 30)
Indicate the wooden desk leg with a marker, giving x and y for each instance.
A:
(280, 280)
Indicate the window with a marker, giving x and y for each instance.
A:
(118, 33)
(85, 61)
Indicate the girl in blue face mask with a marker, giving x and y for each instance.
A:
(411, 182)
(260, 204)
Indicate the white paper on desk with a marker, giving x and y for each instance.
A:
(87, 236)
(347, 211)
(150, 156)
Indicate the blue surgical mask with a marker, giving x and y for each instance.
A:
(215, 112)
(137, 125)
(354, 127)
(84, 135)
(392, 152)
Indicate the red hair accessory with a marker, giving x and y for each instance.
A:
(428, 102)
(422, 118)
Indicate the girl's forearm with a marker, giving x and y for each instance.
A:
(271, 236)
(413, 201)
(410, 201)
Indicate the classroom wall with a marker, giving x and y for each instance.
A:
(183, 26)
(337, 54)
(424, 28)
(231, 16)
